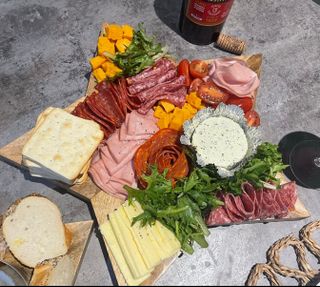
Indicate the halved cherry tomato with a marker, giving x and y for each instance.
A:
(199, 69)
(244, 103)
(253, 118)
(183, 70)
(195, 84)
(212, 95)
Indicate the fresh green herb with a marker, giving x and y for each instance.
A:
(142, 53)
(180, 208)
(263, 167)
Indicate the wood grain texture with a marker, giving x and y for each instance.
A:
(81, 232)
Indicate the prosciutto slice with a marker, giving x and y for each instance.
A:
(254, 204)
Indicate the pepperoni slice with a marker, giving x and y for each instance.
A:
(164, 151)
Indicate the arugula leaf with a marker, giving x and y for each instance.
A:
(142, 53)
(181, 208)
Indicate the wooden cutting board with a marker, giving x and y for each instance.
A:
(102, 203)
(81, 232)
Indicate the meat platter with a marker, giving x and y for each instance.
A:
(164, 127)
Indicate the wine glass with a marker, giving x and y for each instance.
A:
(301, 151)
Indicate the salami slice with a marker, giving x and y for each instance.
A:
(218, 217)
(163, 150)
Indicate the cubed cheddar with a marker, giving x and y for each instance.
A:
(177, 122)
(99, 74)
(107, 47)
(103, 41)
(159, 112)
(97, 61)
(114, 32)
(194, 100)
(164, 122)
(190, 108)
(122, 45)
(168, 107)
(111, 69)
(127, 32)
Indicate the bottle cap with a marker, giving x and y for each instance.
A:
(230, 44)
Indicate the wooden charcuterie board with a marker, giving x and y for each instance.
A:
(81, 232)
(103, 203)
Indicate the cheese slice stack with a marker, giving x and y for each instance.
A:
(137, 250)
(61, 146)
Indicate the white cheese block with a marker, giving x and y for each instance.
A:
(220, 141)
(113, 244)
(128, 246)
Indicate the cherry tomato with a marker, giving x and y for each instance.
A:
(244, 103)
(199, 69)
(195, 84)
(212, 95)
(183, 69)
(253, 118)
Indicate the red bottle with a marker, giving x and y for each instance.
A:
(201, 21)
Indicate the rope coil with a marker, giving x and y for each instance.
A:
(304, 274)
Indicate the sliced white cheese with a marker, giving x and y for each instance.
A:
(143, 236)
(107, 232)
(220, 141)
(128, 246)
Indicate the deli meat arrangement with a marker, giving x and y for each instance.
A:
(254, 204)
(112, 165)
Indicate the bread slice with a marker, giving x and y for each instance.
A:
(34, 231)
(61, 145)
(56, 272)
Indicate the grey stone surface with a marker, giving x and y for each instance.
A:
(44, 52)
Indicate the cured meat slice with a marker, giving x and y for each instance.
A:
(160, 68)
(178, 98)
(171, 86)
(164, 150)
(219, 216)
(152, 82)
(255, 204)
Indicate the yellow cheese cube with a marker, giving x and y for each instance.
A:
(111, 69)
(127, 32)
(159, 112)
(99, 74)
(97, 61)
(177, 122)
(107, 48)
(122, 45)
(103, 41)
(168, 107)
(194, 100)
(164, 122)
(190, 108)
(114, 32)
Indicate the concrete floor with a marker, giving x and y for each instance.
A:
(44, 52)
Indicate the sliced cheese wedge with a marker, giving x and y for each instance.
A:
(142, 238)
(108, 234)
(128, 246)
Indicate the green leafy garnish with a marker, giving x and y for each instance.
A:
(142, 53)
(180, 208)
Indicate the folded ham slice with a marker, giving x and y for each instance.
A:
(112, 165)
(234, 76)
(254, 204)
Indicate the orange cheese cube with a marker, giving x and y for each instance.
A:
(96, 62)
(122, 45)
(190, 109)
(114, 32)
(168, 107)
(164, 122)
(194, 100)
(176, 123)
(103, 41)
(111, 69)
(106, 50)
(159, 112)
(99, 74)
(127, 32)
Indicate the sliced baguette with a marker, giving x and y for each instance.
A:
(34, 231)
(54, 272)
